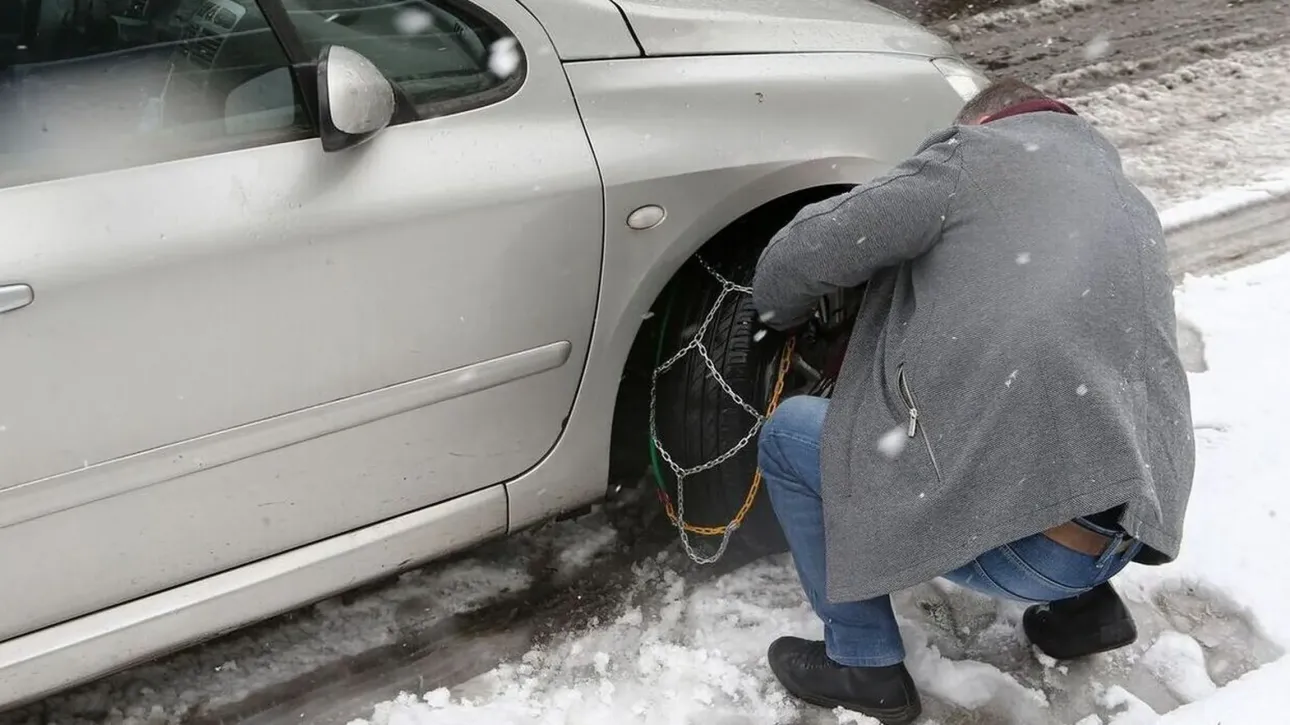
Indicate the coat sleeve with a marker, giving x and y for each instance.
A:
(841, 242)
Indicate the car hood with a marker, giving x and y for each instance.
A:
(701, 27)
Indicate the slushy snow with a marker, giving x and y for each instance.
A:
(1211, 124)
(1213, 625)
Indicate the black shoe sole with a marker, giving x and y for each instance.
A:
(887, 716)
(1110, 638)
(1107, 645)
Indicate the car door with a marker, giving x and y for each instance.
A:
(220, 342)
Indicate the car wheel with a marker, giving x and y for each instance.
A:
(698, 421)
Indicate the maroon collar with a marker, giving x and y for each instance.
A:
(1038, 104)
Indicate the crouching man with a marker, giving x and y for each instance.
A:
(1012, 413)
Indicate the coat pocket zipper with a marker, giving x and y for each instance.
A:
(912, 407)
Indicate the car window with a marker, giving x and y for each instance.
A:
(445, 56)
(93, 85)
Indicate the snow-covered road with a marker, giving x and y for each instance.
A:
(1078, 46)
(629, 632)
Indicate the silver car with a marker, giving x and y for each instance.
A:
(300, 293)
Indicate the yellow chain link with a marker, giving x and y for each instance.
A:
(785, 362)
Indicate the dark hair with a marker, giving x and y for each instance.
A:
(997, 96)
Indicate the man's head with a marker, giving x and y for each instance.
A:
(998, 96)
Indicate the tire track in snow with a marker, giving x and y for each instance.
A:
(1210, 124)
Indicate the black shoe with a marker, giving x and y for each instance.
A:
(887, 694)
(1095, 621)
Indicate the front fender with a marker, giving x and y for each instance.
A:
(712, 138)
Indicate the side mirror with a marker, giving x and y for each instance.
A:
(355, 99)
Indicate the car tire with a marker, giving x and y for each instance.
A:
(697, 420)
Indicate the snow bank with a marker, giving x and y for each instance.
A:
(1240, 509)
(1221, 610)
(1260, 697)
(1227, 201)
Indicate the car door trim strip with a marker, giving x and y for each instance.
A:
(116, 476)
(47, 660)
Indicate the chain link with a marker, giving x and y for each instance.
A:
(681, 473)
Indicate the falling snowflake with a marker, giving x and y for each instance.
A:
(1032, 147)
(1011, 378)
(1023, 258)
(893, 442)
(1081, 391)
(504, 57)
(413, 21)
(758, 335)
(1098, 47)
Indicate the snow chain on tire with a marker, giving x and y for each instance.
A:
(695, 344)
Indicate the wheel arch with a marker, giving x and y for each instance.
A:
(629, 430)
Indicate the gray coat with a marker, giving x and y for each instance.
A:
(1018, 330)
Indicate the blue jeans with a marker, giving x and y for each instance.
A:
(864, 634)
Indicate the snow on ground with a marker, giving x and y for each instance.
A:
(166, 690)
(1209, 124)
(1210, 623)
(1270, 186)
(1044, 11)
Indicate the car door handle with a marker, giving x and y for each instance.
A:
(15, 297)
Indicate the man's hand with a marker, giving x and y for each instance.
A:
(764, 334)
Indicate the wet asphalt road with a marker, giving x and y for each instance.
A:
(1070, 47)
